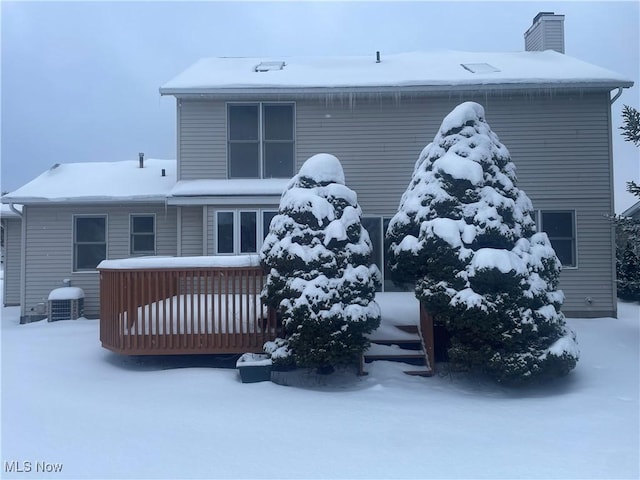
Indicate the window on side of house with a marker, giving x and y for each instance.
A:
(142, 234)
(248, 232)
(89, 241)
(239, 231)
(244, 141)
(260, 140)
(267, 216)
(561, 229)
(225, 237)
(278, 144)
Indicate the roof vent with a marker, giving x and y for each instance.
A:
(269, 66)
(479, 67)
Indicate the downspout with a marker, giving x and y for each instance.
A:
(617, 95)
(14, 209)
(612, 211)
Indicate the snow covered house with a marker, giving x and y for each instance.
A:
(246, 125)
(75, 215)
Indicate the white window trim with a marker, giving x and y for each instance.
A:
(574, 215)
(237, 230)
(261, 140)
(155, 234)
(73, 240)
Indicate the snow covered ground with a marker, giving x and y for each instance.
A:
(67, 401)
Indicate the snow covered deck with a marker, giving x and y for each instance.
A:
(191, 305)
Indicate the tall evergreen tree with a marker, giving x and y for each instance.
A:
(628, 229)
(631, 133)
(321, 279)
(465, 234)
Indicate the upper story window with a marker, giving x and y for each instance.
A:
(143, 235)
(561, 229)
(89, 241)
(260, 140)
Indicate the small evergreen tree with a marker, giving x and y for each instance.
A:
(321, 279)
(465, 234)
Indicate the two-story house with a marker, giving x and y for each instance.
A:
(245, 126)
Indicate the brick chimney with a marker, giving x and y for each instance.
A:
(545, 33)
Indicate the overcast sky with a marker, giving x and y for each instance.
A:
(80, 79)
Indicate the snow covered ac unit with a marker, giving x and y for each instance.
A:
(66, 303)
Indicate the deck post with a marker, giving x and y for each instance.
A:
(426, 331)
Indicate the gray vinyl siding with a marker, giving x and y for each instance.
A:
(547, 35)
(13, 251)
(202, 139)
(589, 287)
(553, 35)
(191, 231)
(560, 143)
(49, 248)
(533, 40)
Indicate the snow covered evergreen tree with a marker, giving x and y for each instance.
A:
(321, 279)
(464, 233)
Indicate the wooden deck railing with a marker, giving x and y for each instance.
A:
(155, 307)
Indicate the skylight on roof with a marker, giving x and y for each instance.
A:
(269, 66)
(479, 67)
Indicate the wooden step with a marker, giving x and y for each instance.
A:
(408, 328)
(392, 332)
(420, 373)
(378, 351)
(398, 343)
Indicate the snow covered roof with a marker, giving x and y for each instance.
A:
(99, 182)
(422, 71)
(240, 186)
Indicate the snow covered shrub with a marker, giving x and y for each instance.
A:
(321, 279)
(465, 234)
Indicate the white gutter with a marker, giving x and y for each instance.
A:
(224, 200)
(393, 89)
(87, 200)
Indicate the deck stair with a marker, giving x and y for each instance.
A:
(399, 343)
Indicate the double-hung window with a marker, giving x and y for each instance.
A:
(89, 241)
(561, 229)
(142, 235)
(238, 231)
(260, 140)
